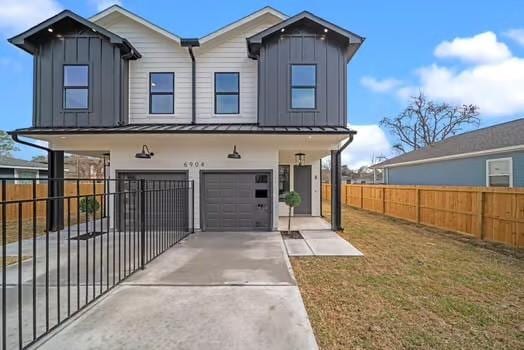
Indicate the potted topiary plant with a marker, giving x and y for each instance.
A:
(292, 200)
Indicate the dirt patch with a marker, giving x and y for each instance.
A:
(415, 287)
(291, 235)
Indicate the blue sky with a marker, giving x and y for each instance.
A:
(457, 51)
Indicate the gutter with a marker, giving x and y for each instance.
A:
(351, 137)
(15, 138)
(190, 43)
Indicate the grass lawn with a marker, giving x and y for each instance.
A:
(414, 288)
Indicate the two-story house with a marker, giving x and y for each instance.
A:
(246, 112)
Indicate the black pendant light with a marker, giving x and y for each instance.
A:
(300, 158)
(145, 154)
(235, 154)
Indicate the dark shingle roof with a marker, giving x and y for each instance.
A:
(189, 129)
(8, 162)
(497, 136)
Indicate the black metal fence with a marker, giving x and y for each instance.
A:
(102, 239)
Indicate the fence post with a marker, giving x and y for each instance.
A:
(418, 205)
(361, 197)
(142, 222)
(383, 199)
(480, 214)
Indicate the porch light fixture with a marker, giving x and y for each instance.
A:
(300, 158)
(145, 154)
(235, 154)
(50, 30)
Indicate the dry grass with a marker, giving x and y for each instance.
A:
(413, 289)
(10, 260)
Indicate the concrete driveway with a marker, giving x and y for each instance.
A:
(230, 290)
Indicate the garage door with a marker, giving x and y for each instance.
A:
(236, 201)
(165, 208)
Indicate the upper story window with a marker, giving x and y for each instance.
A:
(227, 93)
(499, 172)
(76, 86)
(303, 86)
(162, 93)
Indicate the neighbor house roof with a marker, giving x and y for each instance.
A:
(9, 162)
(23, 40)
(498, 138)
(188, 129)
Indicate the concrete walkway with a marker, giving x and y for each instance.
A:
(212, 291)
(320, 243)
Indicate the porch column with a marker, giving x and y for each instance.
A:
(55, 188)
(336, 179)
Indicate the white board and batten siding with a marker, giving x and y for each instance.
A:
(225, 53)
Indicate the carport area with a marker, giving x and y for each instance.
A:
(214, 290)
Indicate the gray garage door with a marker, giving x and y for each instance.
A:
(165, 208)
(236, 201)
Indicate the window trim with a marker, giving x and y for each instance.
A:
(291, 87)
(161, 93)
(75, 87)
(226, 93)
(510, 159)
(281, 200)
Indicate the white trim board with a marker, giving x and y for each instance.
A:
(457, 156)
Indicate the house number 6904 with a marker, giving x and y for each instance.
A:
(193, 164)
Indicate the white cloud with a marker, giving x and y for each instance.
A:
(497, 88)
(377, 85)
(17, 15)
(103, 4)
(493, 81)
(369, 141)
(516, 34)
(481, 48)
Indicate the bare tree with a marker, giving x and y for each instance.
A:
(425, 122)
(7, 145)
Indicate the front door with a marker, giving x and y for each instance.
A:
(302, 185)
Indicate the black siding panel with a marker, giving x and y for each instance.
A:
(302, 45)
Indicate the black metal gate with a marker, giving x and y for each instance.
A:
(48, 276)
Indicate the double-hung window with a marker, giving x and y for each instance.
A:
(76, 86)
(162, 93)
(227, 93)
(303, 86)
(499, 172)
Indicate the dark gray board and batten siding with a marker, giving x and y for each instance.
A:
(108, 82)
(277, 54)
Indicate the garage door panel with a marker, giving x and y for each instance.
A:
(229, 201)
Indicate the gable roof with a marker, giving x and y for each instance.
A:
(495, 139)
(9, 162)
(352, 38)
(252, 16)
(118, 9)
(22, 40)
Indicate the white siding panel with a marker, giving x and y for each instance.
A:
(229, 54)
(159, 54)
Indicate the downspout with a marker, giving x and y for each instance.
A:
(190, 44)
(193, 85)
(336, 184)
(15, 138)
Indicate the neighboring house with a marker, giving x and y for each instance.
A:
(22, 171)
(492, 156)
(247, 111)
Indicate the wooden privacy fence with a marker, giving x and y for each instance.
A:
(493, 214)
(25, 191)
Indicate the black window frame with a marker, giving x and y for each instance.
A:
(227, 93)
(151, 94)
(74, 87)
(286, 188)
(291, 87)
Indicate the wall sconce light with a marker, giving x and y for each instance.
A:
(235, 154)
(145, 154)
(300, 158)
